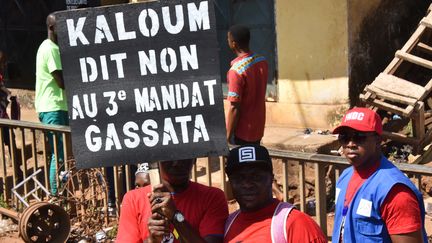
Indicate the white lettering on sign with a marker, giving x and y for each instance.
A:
(75, 32)
(121, 30)
(154, 22)
(148, 23)
(173, 29)
(176, 96)
(90, 106)
(102, 30)
(172, 127)
(198, 18)
(354, 116)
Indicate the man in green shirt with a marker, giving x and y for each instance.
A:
(50, 97)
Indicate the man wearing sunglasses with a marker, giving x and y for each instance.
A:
(375, 201)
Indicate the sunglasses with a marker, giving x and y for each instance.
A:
(356, 137)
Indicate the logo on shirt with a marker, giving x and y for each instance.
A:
(247, 154)
(364, 208)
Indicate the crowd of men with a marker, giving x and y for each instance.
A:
(375, 202)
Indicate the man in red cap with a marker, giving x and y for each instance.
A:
(375, 201)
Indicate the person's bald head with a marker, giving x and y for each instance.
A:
(51, 27)
(50, 20)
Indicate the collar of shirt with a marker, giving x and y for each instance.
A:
(368, 171)
(262, 213)
(241, 57)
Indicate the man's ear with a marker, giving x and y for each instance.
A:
(51, 28)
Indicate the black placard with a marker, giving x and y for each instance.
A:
(142, 82)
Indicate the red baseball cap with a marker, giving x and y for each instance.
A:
(361, 119)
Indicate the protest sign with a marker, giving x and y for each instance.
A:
(142, 82)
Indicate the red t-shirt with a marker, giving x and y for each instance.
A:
(400, 210)
(205, 209)
(256, 227)
(247, 82)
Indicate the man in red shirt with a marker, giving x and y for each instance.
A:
(375, 201)
(262, 218)
(178, 210)
(247, 82)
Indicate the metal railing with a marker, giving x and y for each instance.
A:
(322, 165)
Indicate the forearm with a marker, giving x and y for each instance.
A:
(58, 77)
(414, 237)
(233, 117)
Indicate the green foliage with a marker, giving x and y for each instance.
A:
(334, 116)
(3, 203)
(113, 232)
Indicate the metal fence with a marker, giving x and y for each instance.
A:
(29, 152)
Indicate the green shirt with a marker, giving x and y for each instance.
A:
(48, 96)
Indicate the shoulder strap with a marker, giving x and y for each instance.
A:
(230, 220)
(279, 219)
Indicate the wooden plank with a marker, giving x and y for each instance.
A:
(285, 183)
(46, 162)
(34, 150)
(6, 186)
(65, 151)
(428, 88)
(302, 180)
(424, 48)
(320, 196)
(128, 178)
(23, 160)
(400, 137)
(391, 96)
(392, 108)
(105, 198)
(398, 86)
(194, 173)
(57, 161)
(116, 188)
(222, 162)
(419, 122)
(367, 95)
(36, 125)
(426, 22)
(426, 141)
(208, 171)
(428, 121)
(409, 45)
(325, 159)
(337, 173)
(414, 59)
(11, 214)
